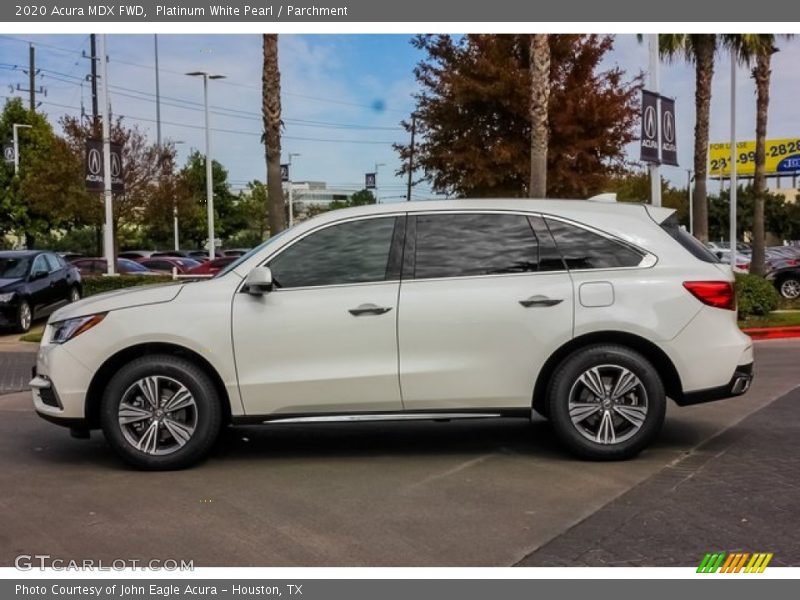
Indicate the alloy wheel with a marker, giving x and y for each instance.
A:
(25, 316)
(157, 415)
(74, 295)
(790, 288)
(608, 404)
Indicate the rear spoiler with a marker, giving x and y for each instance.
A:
(659, 214)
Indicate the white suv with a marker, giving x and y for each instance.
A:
(589, 313)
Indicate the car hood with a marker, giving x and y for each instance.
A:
(6, 282)
(124, 298)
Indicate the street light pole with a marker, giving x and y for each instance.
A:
(377, 166)
(655, 175)
(209, 169)
(733, 163)
(108, 233)
(291, 190)
(689, 178)
(16, 127)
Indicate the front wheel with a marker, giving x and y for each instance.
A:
(161, 412)
(606, 402)
(24, 316)
(74, 294)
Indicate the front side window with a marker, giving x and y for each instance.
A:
(348, 253)
(463, 245)
(40, 265)
(584, 249)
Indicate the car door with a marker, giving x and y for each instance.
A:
(325, 339)
(41, 294)
(485, 299)
(59, 286)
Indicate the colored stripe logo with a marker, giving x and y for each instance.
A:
(735, 562)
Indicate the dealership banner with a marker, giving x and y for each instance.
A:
(343, 11)
(669, 143)
(782, 157)
(649, 135)
(94, 171)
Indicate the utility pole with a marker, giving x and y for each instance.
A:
(689, 178)
(158, 96)
(32, 76)
(377, 166)
(655, 87)
(411, 157)
(108, 237)
(291, 189)
(93, 58)
(733, 163)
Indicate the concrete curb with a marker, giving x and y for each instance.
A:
(773, 333)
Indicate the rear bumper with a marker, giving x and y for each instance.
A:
(738, 385)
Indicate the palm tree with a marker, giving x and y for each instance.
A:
(539, 55)
(750, 47)
(271, 111)
(698, 49)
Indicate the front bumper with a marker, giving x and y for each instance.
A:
(8, 313)
(738, 385)
(59, 385)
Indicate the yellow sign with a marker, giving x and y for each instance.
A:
(782, 156)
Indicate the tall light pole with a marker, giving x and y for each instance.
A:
(209, 174)
(733, 163)
(291, 191)
(689, 179)
(377, 166)
(108, 233)
(16, 127)
(654, 84)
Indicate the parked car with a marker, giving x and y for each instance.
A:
(741, 247)
(33, 284)
(70, 256)
(165, 264)
(198, 254)
(212, 267)
(235, 252)
(589, 313)
(98, 266)
(135, 254)
(786, 281)
(742, 260)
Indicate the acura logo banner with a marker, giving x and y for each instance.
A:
(94, 167)
(649, 138)
(659, 137)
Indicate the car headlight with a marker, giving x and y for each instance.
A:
(6, 297)
(63, 331)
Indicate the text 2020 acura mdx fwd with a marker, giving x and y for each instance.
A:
(589, 313)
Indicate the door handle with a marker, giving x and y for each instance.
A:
(369, 309)
(540, 300)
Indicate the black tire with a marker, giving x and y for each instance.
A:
(206, 413)
(74, 294)
(566, 385)
(23, 322)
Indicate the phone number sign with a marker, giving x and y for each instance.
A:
(782, 156)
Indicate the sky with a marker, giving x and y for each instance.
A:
(343, 97)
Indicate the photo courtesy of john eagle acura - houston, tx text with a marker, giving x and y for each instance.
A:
(592, 314)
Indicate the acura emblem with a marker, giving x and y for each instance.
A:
(669, 127)
(93, 162)
(650, 122)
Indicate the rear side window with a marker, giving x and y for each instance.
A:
(687, 240)
(52, 262)
(463, 245)
(584, 249)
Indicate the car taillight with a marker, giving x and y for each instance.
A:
(719, 294)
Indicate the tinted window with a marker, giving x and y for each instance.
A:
(161, 265)
(13, 267)
(687, 240)
(52, 262)
(474, 244)
(353, 252)
(128, 265)
(584, 249)
(40, 264)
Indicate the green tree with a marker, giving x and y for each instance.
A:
(474, 118)
(699, 50)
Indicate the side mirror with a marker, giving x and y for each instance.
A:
(259, 281)
(38, 275)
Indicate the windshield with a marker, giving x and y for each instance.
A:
(11, 268)
(249, 254)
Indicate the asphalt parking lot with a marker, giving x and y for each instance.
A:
(493, 493)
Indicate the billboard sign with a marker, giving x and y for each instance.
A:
(782, 156)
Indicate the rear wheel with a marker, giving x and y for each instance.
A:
(74, 294)
(790, 287)
(606, 402)
(161, 412)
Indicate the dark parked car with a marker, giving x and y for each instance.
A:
(71, 256)
(98, 266)
(166, 263)
(33, 284)
(235, 252)
(135, 254)
(787, 281)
